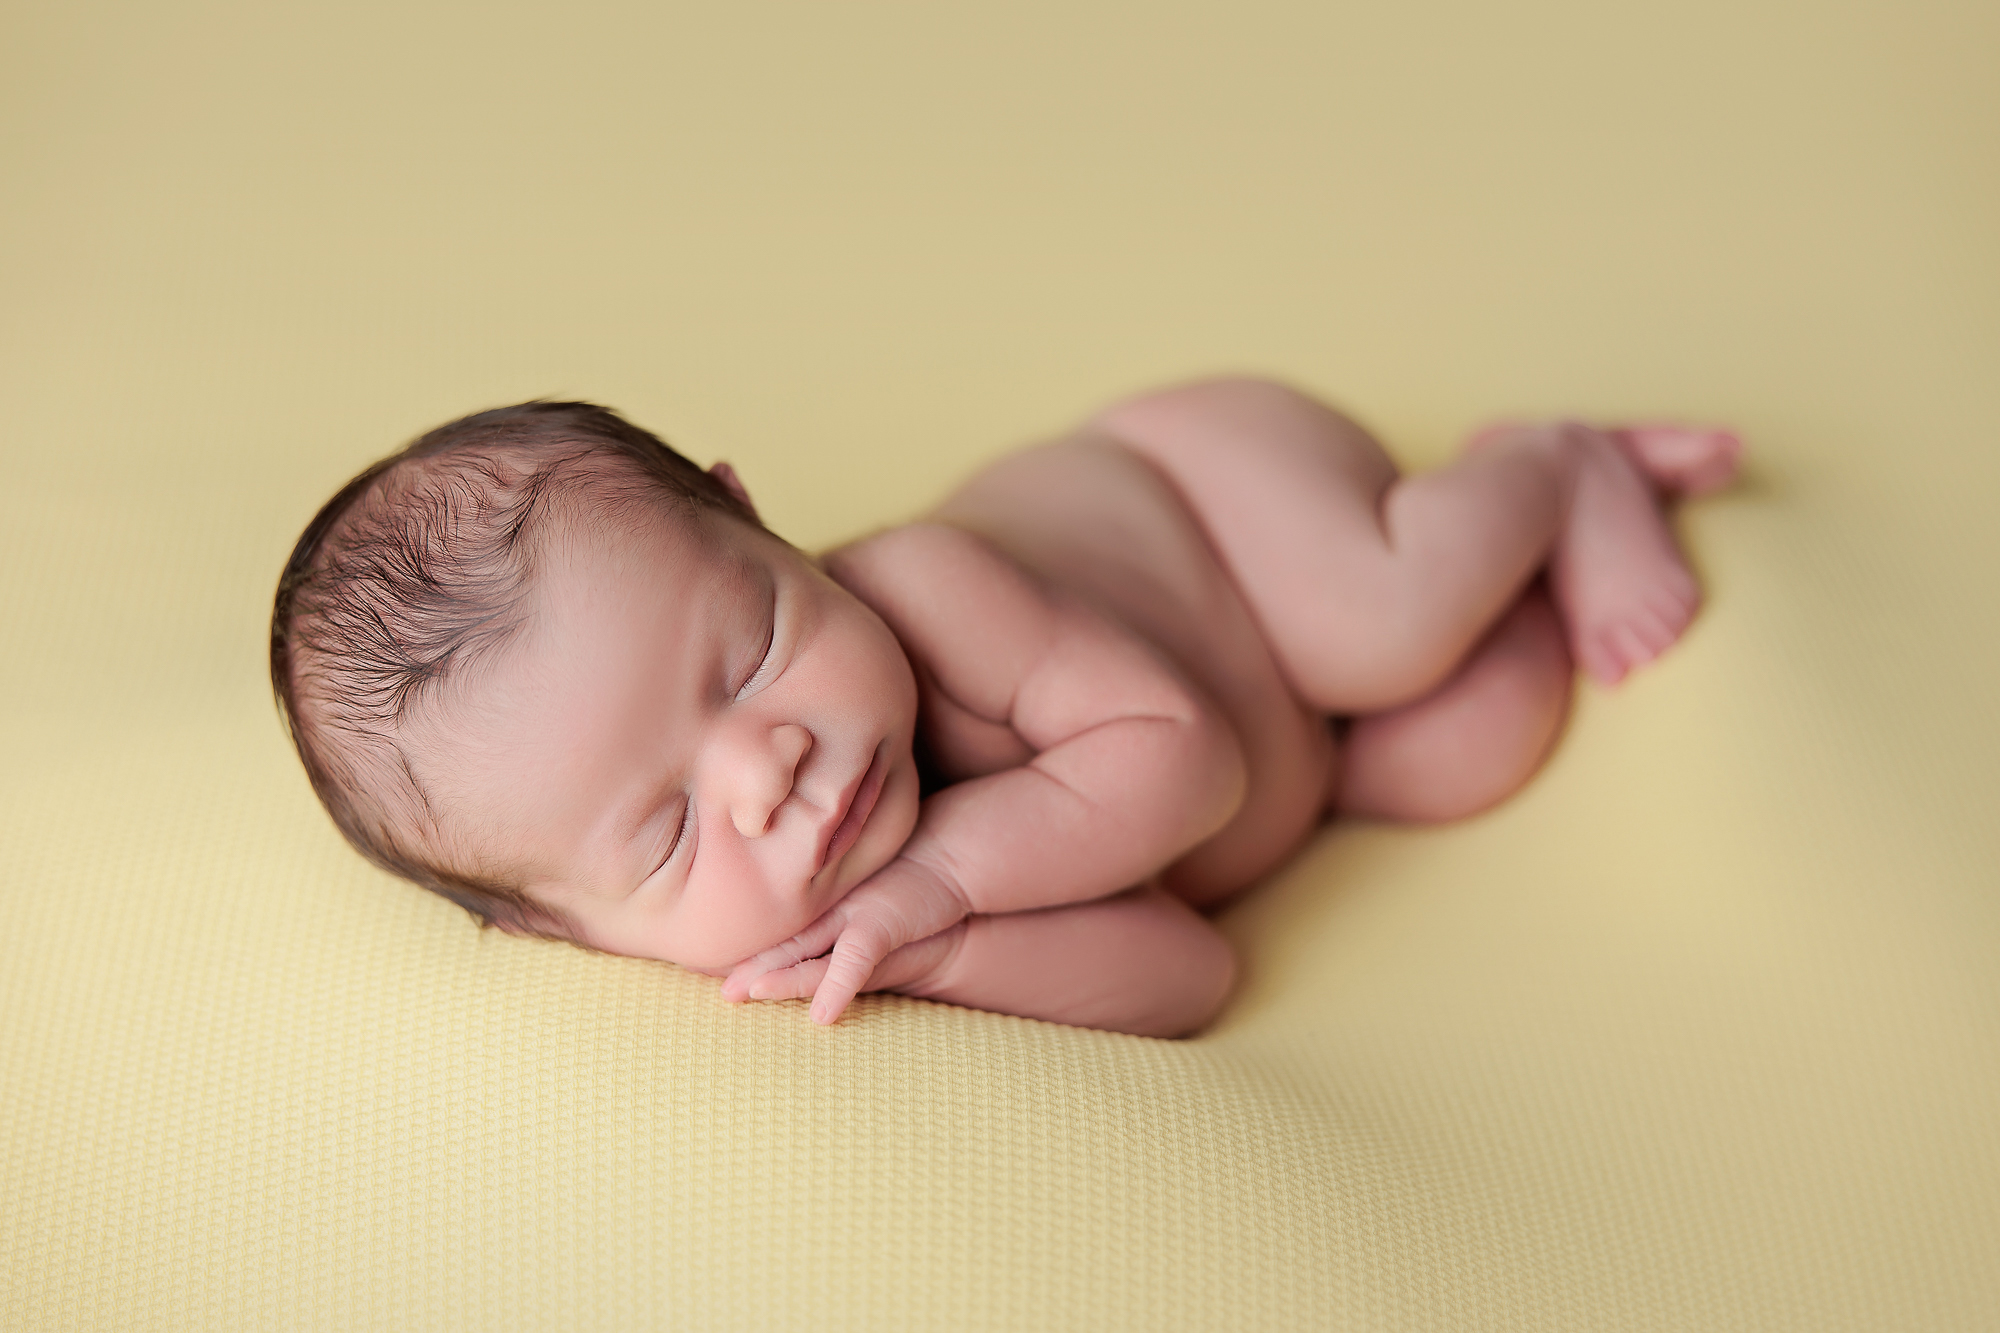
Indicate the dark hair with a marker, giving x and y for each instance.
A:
(420, 563)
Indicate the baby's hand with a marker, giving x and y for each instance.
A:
(889, 925)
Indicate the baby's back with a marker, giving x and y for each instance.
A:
(1096, 519)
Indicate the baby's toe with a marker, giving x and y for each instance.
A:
(1635, 645)
(1595, 654)
(1682, 460)
(1652, 631)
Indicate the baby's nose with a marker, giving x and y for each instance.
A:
(764, 778)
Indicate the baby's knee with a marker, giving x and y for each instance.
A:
(1476, 741)
(1354, 663)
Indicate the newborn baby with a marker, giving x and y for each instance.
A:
(1005, 756)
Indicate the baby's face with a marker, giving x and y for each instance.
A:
(697, 744)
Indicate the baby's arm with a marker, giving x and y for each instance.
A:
(1130, 766)
(1142, 962)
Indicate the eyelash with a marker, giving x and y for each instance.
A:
(680, 836)
(764, 662)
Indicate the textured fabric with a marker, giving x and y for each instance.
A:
(1697, 1033)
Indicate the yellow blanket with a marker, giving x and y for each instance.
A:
(1699, 1032)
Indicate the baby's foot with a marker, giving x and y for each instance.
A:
(1681, 461)
(1625, 591)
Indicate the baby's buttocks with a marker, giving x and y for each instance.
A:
(1095, 518)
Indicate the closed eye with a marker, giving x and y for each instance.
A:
(683, 833)
(764, 659)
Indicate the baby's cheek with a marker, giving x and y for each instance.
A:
(730, 911)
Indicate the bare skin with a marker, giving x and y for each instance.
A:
(1121, 651)
(1266, 548)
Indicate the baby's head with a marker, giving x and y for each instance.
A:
(542, 664)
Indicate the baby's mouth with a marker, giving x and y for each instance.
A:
(860, 806)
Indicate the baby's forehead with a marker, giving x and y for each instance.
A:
(670, 599)
(664, 553)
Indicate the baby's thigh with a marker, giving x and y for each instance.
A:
(1292, 497)
(1287, 488)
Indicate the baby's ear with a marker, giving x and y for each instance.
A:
(732, 483)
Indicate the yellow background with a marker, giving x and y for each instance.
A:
(1699, 1032)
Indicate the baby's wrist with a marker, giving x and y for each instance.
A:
(924, 968)
(934, 877)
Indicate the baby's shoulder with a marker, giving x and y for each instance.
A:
(956, 601)
(908, 545)
(932, 568)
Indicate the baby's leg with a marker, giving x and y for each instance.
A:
(1474, 740)
(1371, 588)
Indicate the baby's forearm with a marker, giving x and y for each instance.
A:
(1141, 962)
(1107, 808)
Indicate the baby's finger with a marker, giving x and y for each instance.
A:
(736, 986)
(851, 964)
(809, 943)
(792, 983)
